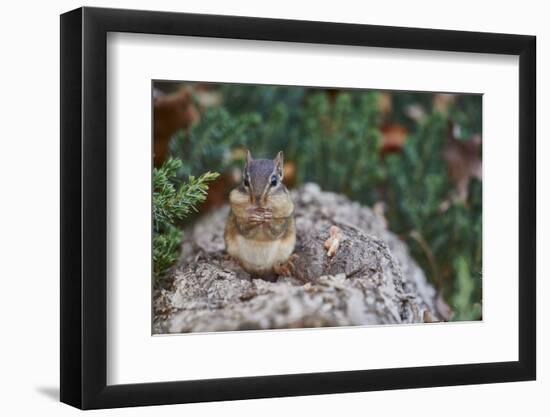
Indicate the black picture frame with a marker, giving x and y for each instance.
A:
(84, 207)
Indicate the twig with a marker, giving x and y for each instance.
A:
(429, 255)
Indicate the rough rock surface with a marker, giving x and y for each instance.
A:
(370, 280)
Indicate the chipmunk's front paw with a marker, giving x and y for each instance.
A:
(287, 268)
(267, 215)
(259, 215)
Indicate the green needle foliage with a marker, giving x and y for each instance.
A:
(445, 242)
(172, 201)
(208, 144)
(337, 144)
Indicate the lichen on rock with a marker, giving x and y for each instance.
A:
(370, 280)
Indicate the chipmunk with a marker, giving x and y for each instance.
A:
(260, 232)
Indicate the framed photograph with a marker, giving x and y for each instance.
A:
(258, 208)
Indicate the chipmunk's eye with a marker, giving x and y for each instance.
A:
(273, 181)
(246, 183)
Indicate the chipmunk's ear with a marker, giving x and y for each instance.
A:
(248, 158)
(279, 160)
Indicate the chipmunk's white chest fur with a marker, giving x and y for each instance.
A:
(261, 255)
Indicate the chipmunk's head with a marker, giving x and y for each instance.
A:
(263, 178)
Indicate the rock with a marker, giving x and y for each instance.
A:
(370, 280)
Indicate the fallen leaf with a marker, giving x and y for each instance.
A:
(393, 138)
(171, 112)
(463, 161)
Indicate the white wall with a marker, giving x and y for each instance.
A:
(29, 265)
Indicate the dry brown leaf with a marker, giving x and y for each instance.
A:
(463, 161)
(393, 138)
(171, 112)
